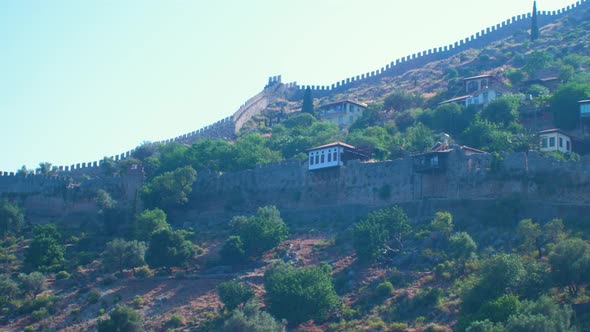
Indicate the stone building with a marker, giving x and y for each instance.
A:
(343, 113)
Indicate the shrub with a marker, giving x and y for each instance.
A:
(137, 301)
(38, 315)
(233, 293)
(122, 318)
(175, 321)
(300, 294)
(260, 232)
(385, 289)
(93, 296)
(252, 319)
(62, 275)
(144, 272)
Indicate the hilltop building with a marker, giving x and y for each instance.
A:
(334, 154)
(554, 140)
(479, 90)
(435, 160)
(343, 113)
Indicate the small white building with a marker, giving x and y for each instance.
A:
(334, 154)
(343, 113)
(554, 140)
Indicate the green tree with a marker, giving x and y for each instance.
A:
(462, 246)
(502, 111)
(536, 61)
(369, 239)
(499, 275)
(121, 319)
(46, 250)
(485, 326)
(121, 254)
(307, 104)
(500, 309)
(417, 138)
(529, 232)
(443, 223)
(8, 289)
(401, 101)
(534, 23)
(375, 138)
(170, 188)
(232, 251)
(251, 150)
(148, 222)
(11, 218)
(488, 136)
(542, 315)
(570, 264)
(108, 166)
(262, 231)
(33, 283)
(450, 118)
(251, 319)
(564, 104)
(233, 293)
(44, 168)
(169, 248)
(300, 294)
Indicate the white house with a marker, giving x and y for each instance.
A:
(334, 154)
(554, 140)
(343, 113)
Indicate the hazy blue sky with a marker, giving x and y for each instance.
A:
(83, 79)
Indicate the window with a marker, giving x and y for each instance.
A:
(311, 160)
(317, 159)
(544, 142)
(551, 142)
(472, 86)
(329, 157)
(561, 142)
(484, 84)
(567, 144)
(335, 156)
(322, 159)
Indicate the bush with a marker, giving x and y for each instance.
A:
(175, 321)
(138, 301)
(233, 293)
(122, 318)
(144, 272)
(93, 296)
(300, 294)
(260, 232)
(385, 289)
(62, 275)
(38, 315)
(252, 319)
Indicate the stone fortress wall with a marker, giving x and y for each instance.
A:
(228, 128)
(549, 185)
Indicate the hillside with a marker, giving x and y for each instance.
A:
(227, 229)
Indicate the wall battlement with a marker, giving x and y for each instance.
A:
(227, 128)
(488, 35)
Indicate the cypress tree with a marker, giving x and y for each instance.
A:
(534, 23)
(307, 105)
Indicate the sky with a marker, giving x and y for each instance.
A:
(80, 80)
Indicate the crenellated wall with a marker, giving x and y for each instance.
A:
(228, 128)
(480, 39)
